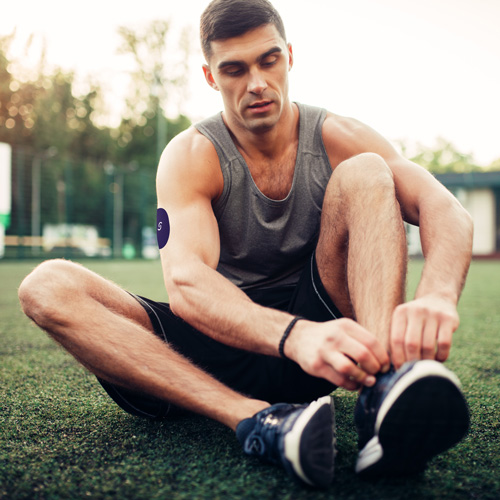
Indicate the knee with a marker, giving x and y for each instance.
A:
(46, 288)
(366, 172)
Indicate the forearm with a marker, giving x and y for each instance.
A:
(340, 351)
(212, 304)
(423, 328)
(446, 232)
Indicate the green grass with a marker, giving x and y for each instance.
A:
(62, 437)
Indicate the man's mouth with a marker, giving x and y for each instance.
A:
(260, 104)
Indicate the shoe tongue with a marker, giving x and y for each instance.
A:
(244, 428)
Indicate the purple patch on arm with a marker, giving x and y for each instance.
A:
(162, 227)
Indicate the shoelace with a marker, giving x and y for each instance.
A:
(260, 441)
(368, 405)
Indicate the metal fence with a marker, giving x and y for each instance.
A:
(67, 208)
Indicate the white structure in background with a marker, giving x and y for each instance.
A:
(5, 192)
(149, 243)
(413, 239)
(479, 193)
(77, 236)
(480, 203)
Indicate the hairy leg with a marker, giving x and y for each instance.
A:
(109, 332)
(362, 252)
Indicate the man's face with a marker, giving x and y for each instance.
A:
(251, 72)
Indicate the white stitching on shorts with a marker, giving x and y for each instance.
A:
(317, 291)
(145, 304)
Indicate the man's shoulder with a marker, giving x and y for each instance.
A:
(342, 127)
(190, 159)
(191, 145)
(345, 137)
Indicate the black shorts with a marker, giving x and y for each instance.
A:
(268, 378)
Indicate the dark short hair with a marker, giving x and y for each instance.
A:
(224, 19)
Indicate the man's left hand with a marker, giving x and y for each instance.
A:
(422, 329)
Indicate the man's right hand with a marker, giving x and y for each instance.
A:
(340, 351)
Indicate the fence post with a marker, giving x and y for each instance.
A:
(108, 220)
(20, 203)
(118, 214)
(35, 202)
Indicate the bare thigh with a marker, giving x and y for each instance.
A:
(57, 286)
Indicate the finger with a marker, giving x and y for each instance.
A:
(365, 349)
(429, 338)
(328, 373)
(397, 336)
(361, 357)
(413, 337)
(444, 341)
(348, 370)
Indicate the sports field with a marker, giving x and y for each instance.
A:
(61, 437)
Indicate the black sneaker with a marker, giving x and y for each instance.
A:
(301, 438)
(408, 417)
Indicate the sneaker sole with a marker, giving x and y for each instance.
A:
(309, 447)
(423, 415)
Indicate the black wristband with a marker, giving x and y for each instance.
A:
(281, 348)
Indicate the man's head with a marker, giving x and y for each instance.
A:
(248, 61)
(224, 19)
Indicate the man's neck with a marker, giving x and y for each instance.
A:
(269, 143)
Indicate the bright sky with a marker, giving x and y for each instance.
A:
(413, 70)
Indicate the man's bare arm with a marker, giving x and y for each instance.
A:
(186, 188)
(422, 328)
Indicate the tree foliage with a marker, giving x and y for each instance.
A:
(53, 128)
(158, 66)
(44, 112)
(157, 77)
(444, 158)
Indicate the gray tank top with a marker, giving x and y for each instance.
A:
(266, 243)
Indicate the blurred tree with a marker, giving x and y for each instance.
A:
(159, 75)
(141, 144)
(68, 169)
(43, 113)
(53, 112)
(15, 102)
(444, 158)
(90, 140)
(494, 165)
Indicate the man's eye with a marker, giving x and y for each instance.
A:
(233, 71)
(269, 61)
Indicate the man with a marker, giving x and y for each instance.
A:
(285, 268)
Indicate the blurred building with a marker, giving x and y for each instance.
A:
(479, 193)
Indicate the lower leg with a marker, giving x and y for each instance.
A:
(110, 333)
(361, 252)
(107, 331)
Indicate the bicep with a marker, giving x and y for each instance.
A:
(187, 182)
(417, 189)
(193, 234)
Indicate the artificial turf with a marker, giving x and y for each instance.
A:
(61, 437)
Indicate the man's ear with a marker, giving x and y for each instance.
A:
(290, 57)
(209, 77)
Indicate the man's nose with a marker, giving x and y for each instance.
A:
(256, 83)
